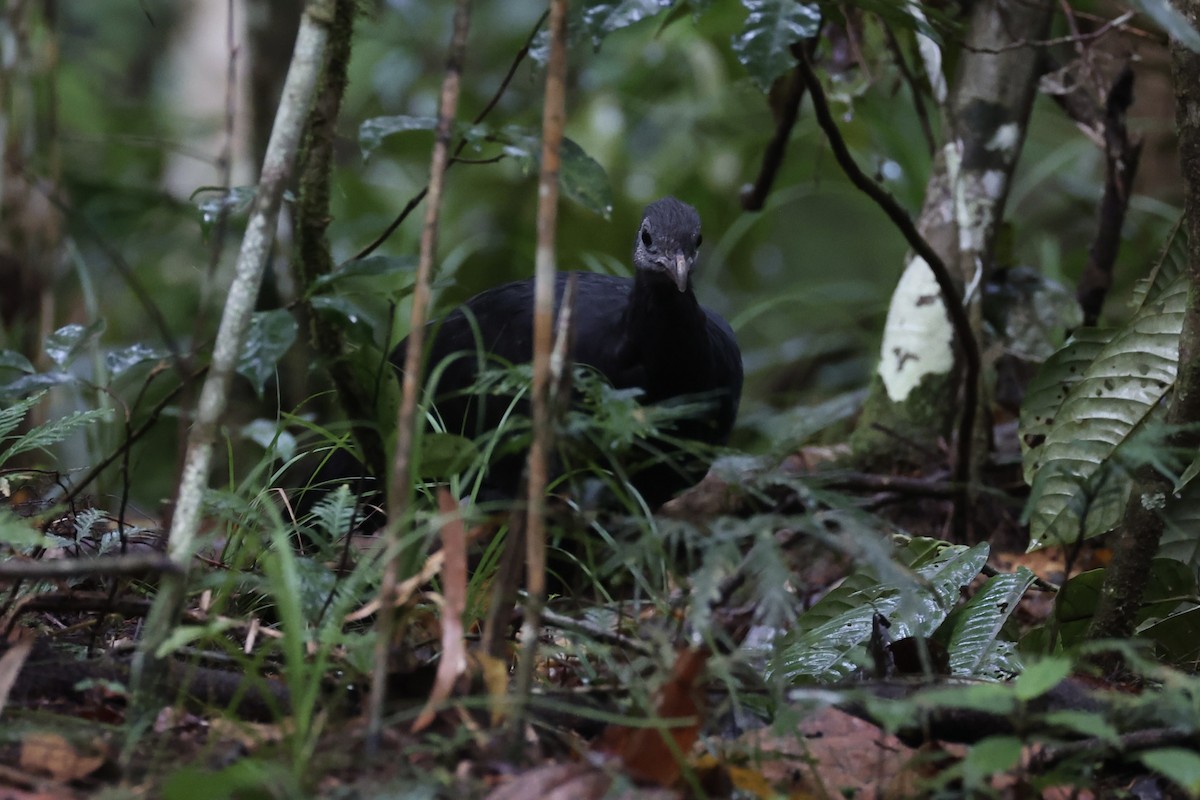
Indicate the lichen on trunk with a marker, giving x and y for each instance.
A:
(915, 397)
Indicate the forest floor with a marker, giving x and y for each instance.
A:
(65, 715)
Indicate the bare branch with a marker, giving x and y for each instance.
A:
(419, 196)
(554, 113)
(400, 486)
(149, 668)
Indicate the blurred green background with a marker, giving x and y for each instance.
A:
(129, 124)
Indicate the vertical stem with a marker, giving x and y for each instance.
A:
(553, 117)
(400, 486)
(149, 666)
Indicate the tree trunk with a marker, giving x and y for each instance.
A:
(915, 395)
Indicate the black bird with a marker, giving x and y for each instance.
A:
(647, 332)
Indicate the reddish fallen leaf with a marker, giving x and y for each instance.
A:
(646, 753)
(454, 594)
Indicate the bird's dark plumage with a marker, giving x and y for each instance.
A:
(647, 332)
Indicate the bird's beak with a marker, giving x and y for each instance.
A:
(681, 271)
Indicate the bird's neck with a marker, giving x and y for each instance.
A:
(665, 328)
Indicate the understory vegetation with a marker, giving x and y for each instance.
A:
(951, 550)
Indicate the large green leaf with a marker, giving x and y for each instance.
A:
(1171, 263)
(834, 647)
(66, 343)
(764, 46)
(596, 19)
(11, 359)
(1076, 490)
(1177, 636)
(974, 639)
(271, 334)
(1182, 519)
(1180, 765)
(1169, 581)
(580, 176)
(1049, 389)
(602, 18)
(372, 132)
(125, 358)
(370, 267)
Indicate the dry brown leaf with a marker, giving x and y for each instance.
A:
(17, 785)
(454, 593)
(571, 782)
(406, 589)
(250, 735)
(51, 754)
(833, 754)
(645, 752)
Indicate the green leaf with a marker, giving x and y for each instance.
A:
(271, 334)
(379, 381)
(53, 432)
(334, 515)
(1171, 263)
(215, 201)
(1170, 20)
(118, 361)
(373, 131)
(1084, 723)
(11, 416)
(602, 18)
(1178, 636)
(974, 643)
(369, 267)
(183, 635)
(1040, 677)
(314, 583)
(16, 532)
(833, 648)
(582, 179)
(989, 757)
(445, 454)
(1181, 519)
(357, 324)
(1049, 389)
(995, 698)
(11, 359)
(764, 45)
(271, 436)
(596, 19)
(1076, 491)
(65, 344)
(1177, 764)
(246, 779)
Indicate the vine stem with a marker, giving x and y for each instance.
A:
(951, 297)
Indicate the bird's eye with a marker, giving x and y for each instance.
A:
(646, 237)
(699, 239)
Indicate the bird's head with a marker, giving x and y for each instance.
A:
(667, 241)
